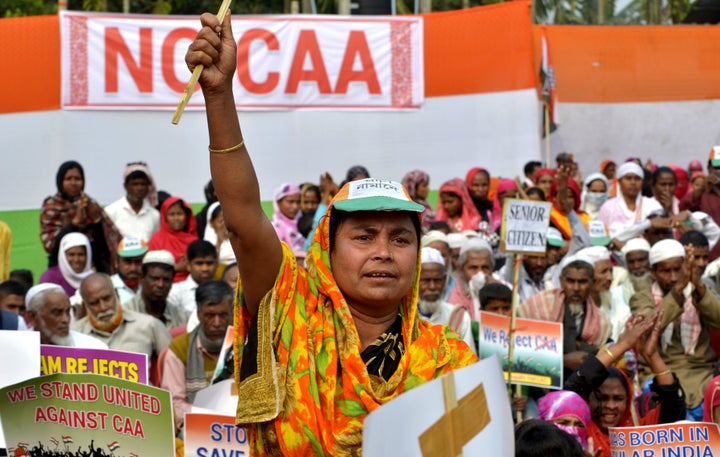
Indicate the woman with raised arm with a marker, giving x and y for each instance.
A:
(317, 349)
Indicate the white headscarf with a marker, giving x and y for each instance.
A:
(630, 168)
(71, 240)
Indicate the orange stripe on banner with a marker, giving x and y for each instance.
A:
(477, 50)
(31, 57)
(603, 64)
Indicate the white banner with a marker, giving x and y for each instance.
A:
(284, 62)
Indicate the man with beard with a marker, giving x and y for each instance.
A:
(531, 275)
(636, 278)
(158, 270)
(190, 359)
(126, 281)
(122, 330)
(133, 214)
(48, 310)
(431, 303)
(689, 314)
(476, 256)
(585, 326)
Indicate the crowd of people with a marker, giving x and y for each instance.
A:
(337, 297)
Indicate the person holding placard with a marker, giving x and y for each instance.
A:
(318, 348)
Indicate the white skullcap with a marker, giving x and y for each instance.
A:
(470, 234)
(161, 256)
(476, 244)
(431, 255)
(34, 290)
(594, 254)
(572, 258)
(635, 244)
(630, 168)
(666, 249)
(455, 240)
(433, 236)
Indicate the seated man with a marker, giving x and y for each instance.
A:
(12, 304)
(158, 270)
(585, 326)
(191, 358)
(431, 305)
(122, 330)
(133, 215)
(126, 281)
(689, 314)
(48, 310)
(476, 256)
(202, 261)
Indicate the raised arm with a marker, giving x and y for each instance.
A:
(251, 234)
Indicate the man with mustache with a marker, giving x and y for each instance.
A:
(48, 310)
(189, 362)
(585, 326)
(119, 328)
(130, 253)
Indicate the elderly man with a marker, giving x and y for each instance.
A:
(132, 214)
(158, 270)
(585, 326)
(431, 304)
(476, 256)
(191, 358)
(689, 313)
(123, 330)
(126, 281)
(48, 310)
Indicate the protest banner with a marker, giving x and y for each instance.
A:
(425, 420)
(120, 364)
(214, 435)
(88, 411)
(538, 356)
(679, 439)
(524, 228)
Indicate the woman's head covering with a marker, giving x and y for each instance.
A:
(573, 187)
(604, 164)
(681, 180)
(630, 168)
(566, 403)
(695, 165)
(697, 174)
(469, 216)
(71, 240)
(712, 399)
(152, 196)
(471, 174)
(285, 227)
(413, 179)
(62, 170)
(505, 186)
(542, 172)
(594, 177)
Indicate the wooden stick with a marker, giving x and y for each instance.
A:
(513, 314)
(190, 88)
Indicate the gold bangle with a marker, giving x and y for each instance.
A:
(607, 351)
(226, 150)
(662, 373)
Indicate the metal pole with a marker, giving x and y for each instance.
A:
(344, 7)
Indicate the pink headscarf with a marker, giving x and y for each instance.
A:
(504, 186)
(469, 218)
(712, 399)
(286, 228)
(566, 403)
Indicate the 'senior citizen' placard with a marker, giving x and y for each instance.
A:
(525, 224)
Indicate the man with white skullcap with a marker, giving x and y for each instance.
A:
(629, 207)
(585, 326)
(48, 310)
(476, 256)
(689, 311)
(431, 297)
(439, 240)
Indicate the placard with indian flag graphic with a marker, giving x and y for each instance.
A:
(210, 435)
(679, 439)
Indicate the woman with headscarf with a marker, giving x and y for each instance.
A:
(177, 231)
(456, 207)
(479, 181)
(711, 403)
(506, 189)
(565, 197)
(286, 212)
(201, 217)
(567, 411)
(594, 193)
(417, 183)
(72, 210)
(610, 395)
(74, 263)
(217, 234)
(608, 169)
(544, 179)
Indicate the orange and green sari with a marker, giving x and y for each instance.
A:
(303, 386)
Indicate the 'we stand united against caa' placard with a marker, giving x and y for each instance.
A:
(524, 228)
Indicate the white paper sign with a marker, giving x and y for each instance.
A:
(395, 428)
(525, 224)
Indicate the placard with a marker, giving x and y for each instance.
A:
(214, 435)
(538, 355)
(87, 412)
(524, 227)
(679, 439)
(132, 366)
